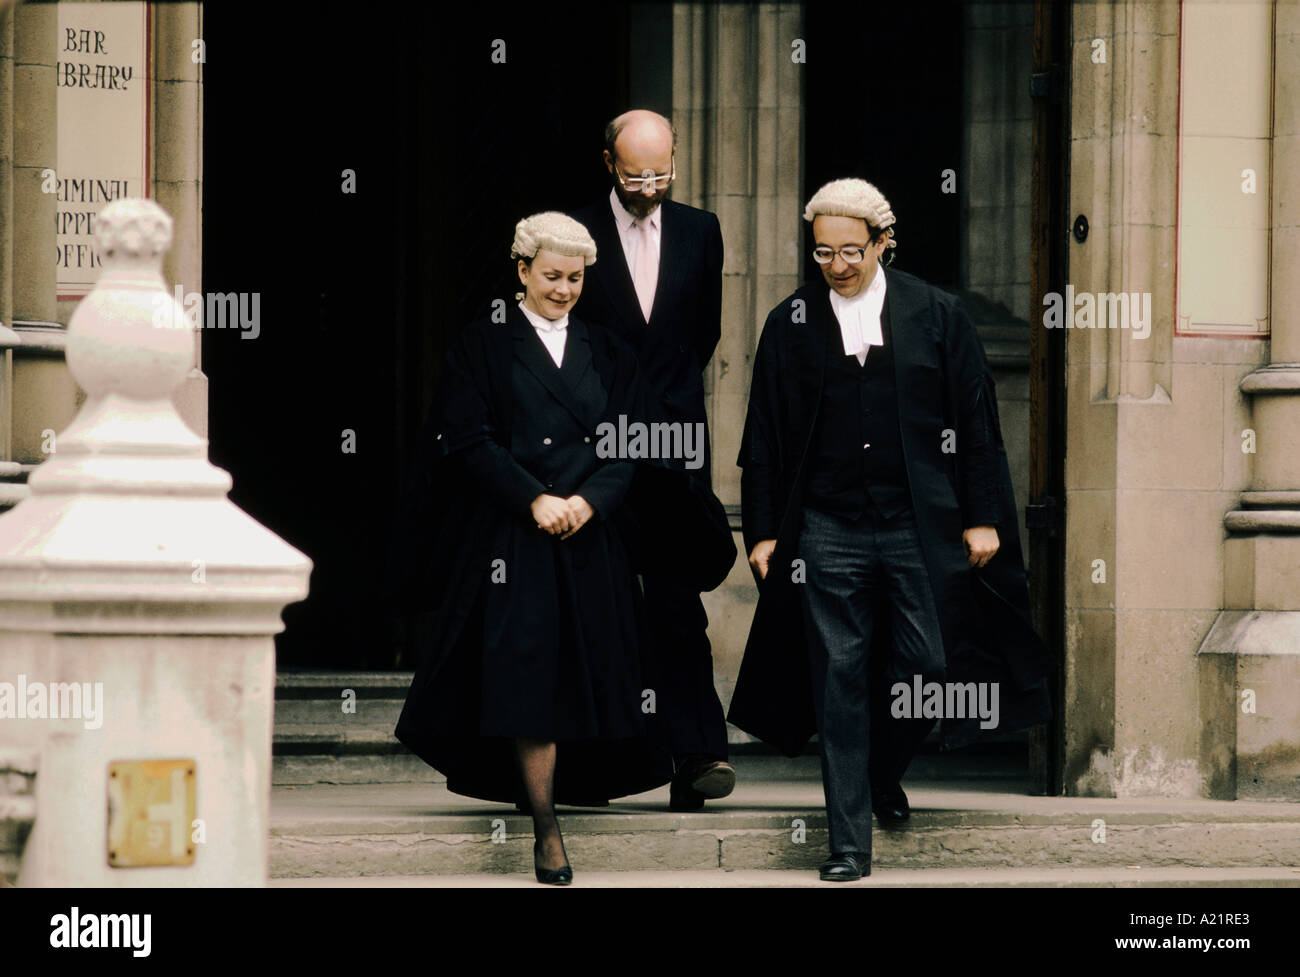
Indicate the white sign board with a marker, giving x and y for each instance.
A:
(103, 113)
(1224, 146)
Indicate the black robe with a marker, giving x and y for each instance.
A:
(943, 383)
(471, 696)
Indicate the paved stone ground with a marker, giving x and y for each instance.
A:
(881, 878)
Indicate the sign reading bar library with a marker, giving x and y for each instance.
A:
(103, 112)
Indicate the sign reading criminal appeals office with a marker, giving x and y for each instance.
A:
(103, 125)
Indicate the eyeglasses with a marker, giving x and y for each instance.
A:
(638, 183)
(853, 254)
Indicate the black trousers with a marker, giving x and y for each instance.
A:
(862, 575)
(688, 702)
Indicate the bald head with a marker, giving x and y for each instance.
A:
(640, 132)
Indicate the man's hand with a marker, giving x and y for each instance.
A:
(981, 544)
(580, 511)
(762, 553)
(553, 514)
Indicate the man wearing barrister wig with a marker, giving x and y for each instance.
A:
(880, 524)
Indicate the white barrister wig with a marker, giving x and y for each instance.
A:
(852, 198)
(552, 231)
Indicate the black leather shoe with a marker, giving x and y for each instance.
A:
(552, 876)
(891, 807)
(846, 866)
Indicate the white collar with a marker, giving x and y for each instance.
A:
(625, 218)
(872, 295)
(859, 317)
(540, 322)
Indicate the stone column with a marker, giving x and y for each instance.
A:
(738, 108)
(132, 586)
(177, 178)
(35, 144)
(1142, 524)
(737, 104)
(1250, 660)
(6, 164)
(11, 476)
(44, 395)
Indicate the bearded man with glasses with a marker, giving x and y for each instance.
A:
(660, 290)
(881, 526)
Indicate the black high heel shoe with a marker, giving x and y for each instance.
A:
(552, 876)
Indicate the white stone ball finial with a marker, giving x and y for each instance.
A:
(130, 336)
(132, 230)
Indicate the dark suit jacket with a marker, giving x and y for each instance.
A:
(686, 320)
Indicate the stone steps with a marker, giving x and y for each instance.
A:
(316, 742)
(957, 824)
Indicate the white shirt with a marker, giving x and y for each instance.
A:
(859, 317)
(631, 242)
(552, 331)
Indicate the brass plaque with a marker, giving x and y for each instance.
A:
(150, 811)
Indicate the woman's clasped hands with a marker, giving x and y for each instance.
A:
(561, 517)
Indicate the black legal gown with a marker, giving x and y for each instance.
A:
(552, 645)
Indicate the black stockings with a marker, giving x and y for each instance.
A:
(537, 767)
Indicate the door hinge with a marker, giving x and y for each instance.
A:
(1049, 84)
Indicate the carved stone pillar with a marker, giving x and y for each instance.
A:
(6, 163)
(177, 176)
(35, 142)
(44, 396)
(737, 104)
(1250, 660)
(1139, 592)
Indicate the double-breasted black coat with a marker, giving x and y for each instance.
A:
(943, 384)
(522, 634)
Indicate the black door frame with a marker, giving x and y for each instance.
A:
(1045, 514)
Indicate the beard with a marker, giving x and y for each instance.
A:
(638, 204)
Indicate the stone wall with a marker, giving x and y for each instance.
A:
(1154, 424)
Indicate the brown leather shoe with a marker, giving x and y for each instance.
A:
(713, 778)
(699, 780)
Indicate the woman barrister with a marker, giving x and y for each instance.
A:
(533, 676)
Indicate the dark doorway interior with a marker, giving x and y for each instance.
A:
(360, 293)
(884, 103)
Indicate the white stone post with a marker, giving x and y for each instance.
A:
(128, 574)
